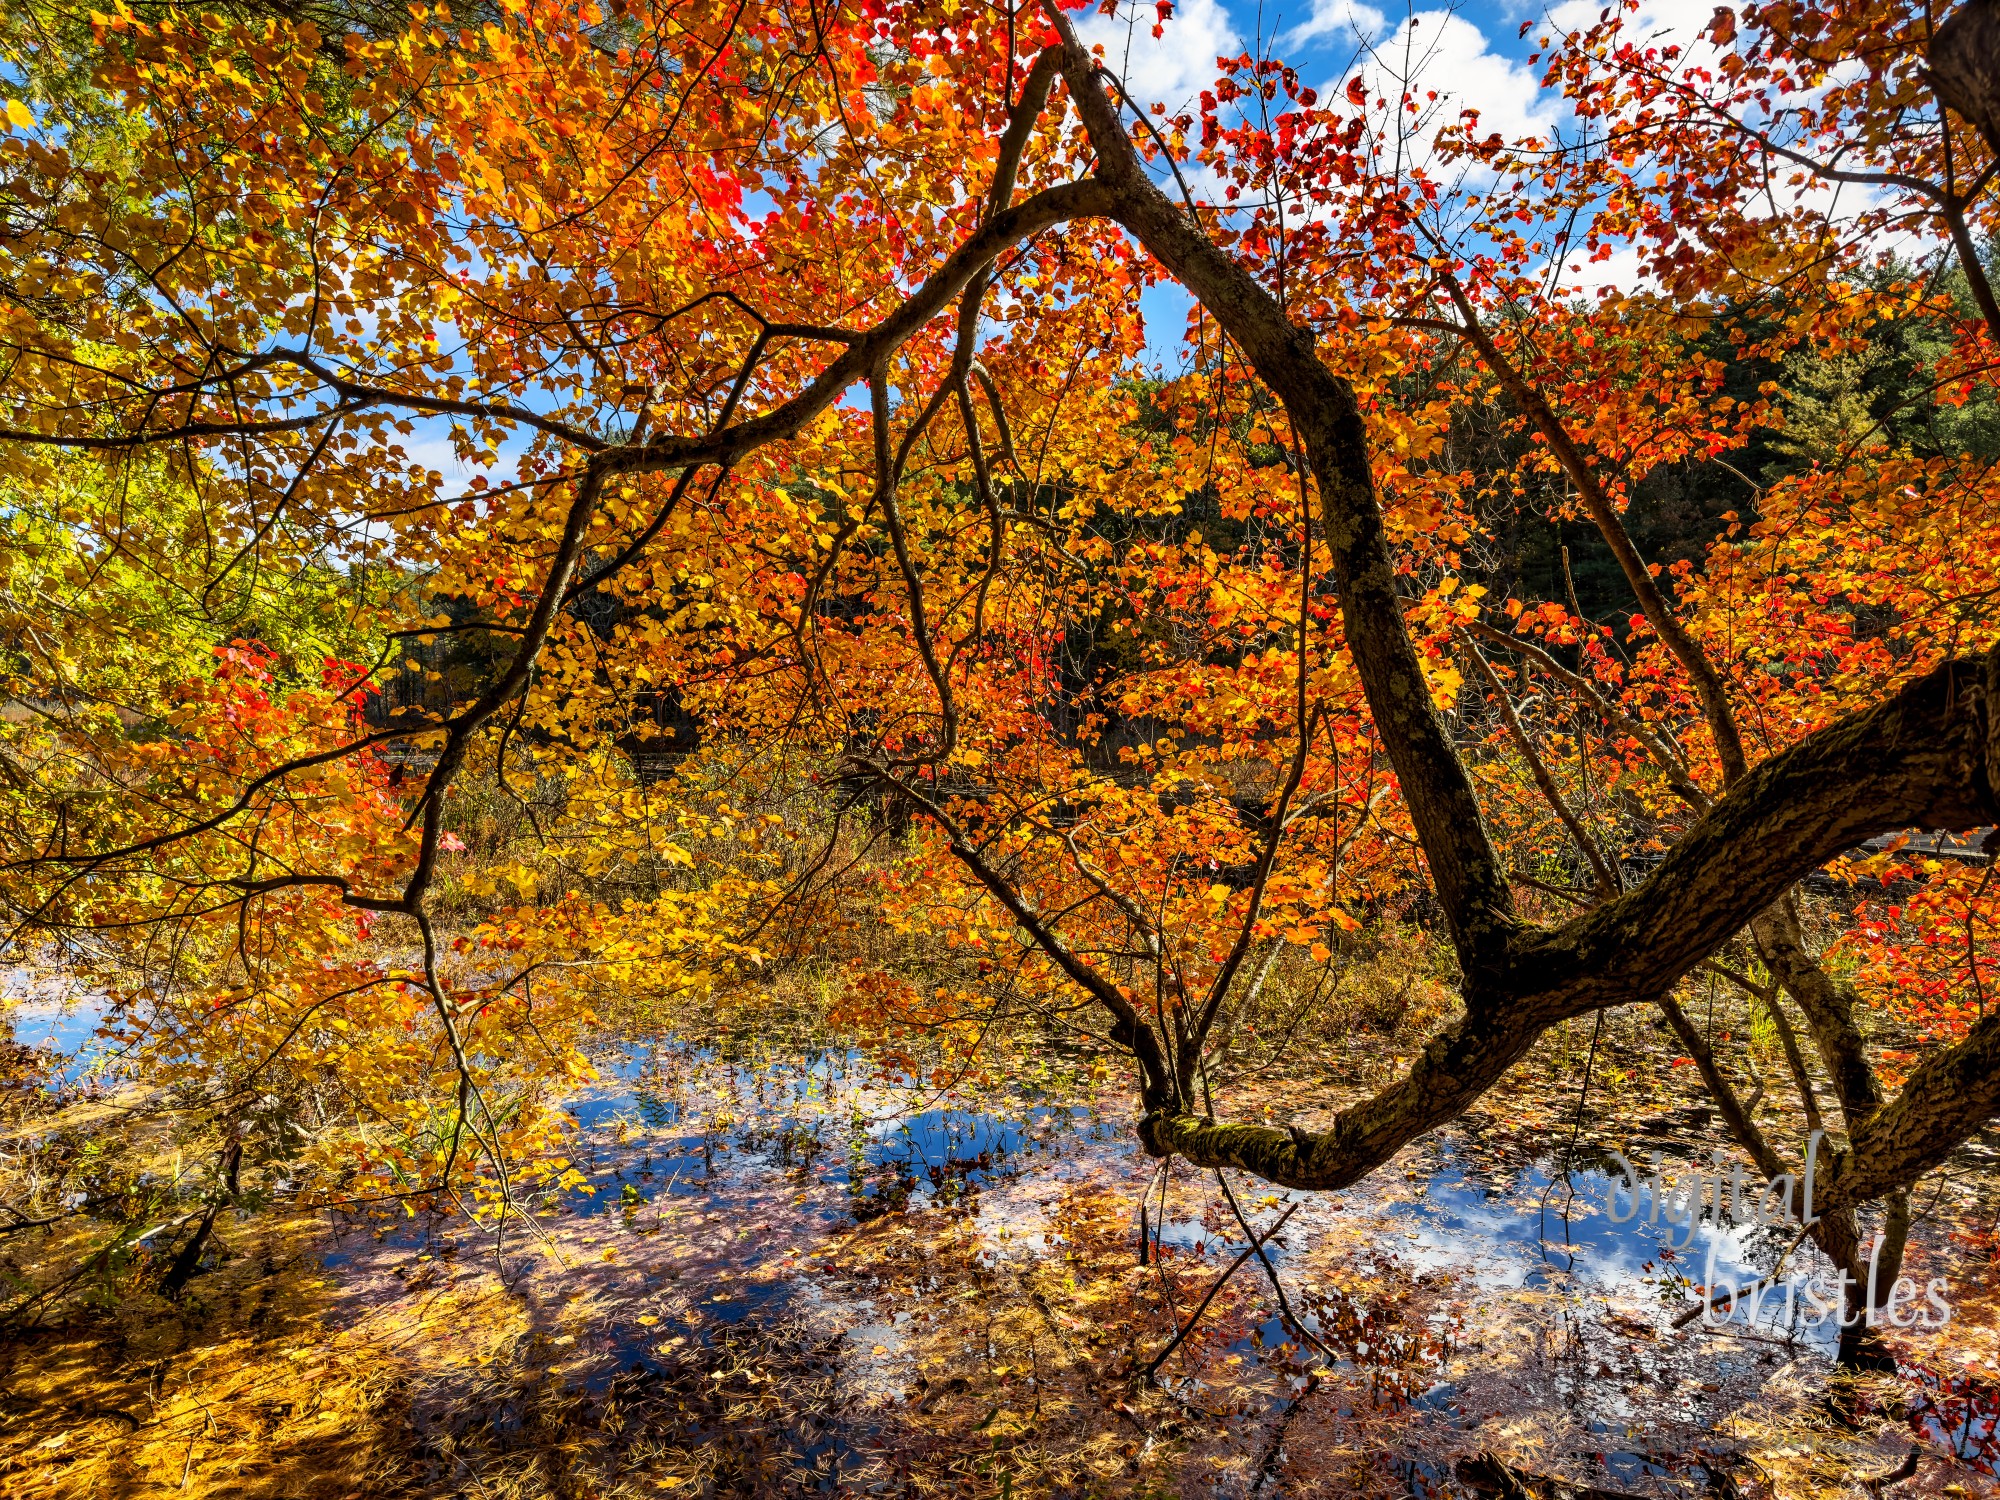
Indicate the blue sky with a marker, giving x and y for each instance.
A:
(1472, 53)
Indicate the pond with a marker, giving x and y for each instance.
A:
(1461, 1290)
(814, 1276)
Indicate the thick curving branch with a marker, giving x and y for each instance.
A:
(996, 233)
(1929, 757)
(1965, 66)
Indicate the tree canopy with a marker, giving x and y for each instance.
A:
(827, 530)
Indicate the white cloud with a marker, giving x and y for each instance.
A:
(1337, 24)
(1443, 51)
(1173, 68)
(1439, 50)
(1680, 23)
(1658, 21)
(431, 446)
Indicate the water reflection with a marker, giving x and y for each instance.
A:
(722, 1193)
(1539, 1228)
(42, 1012)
